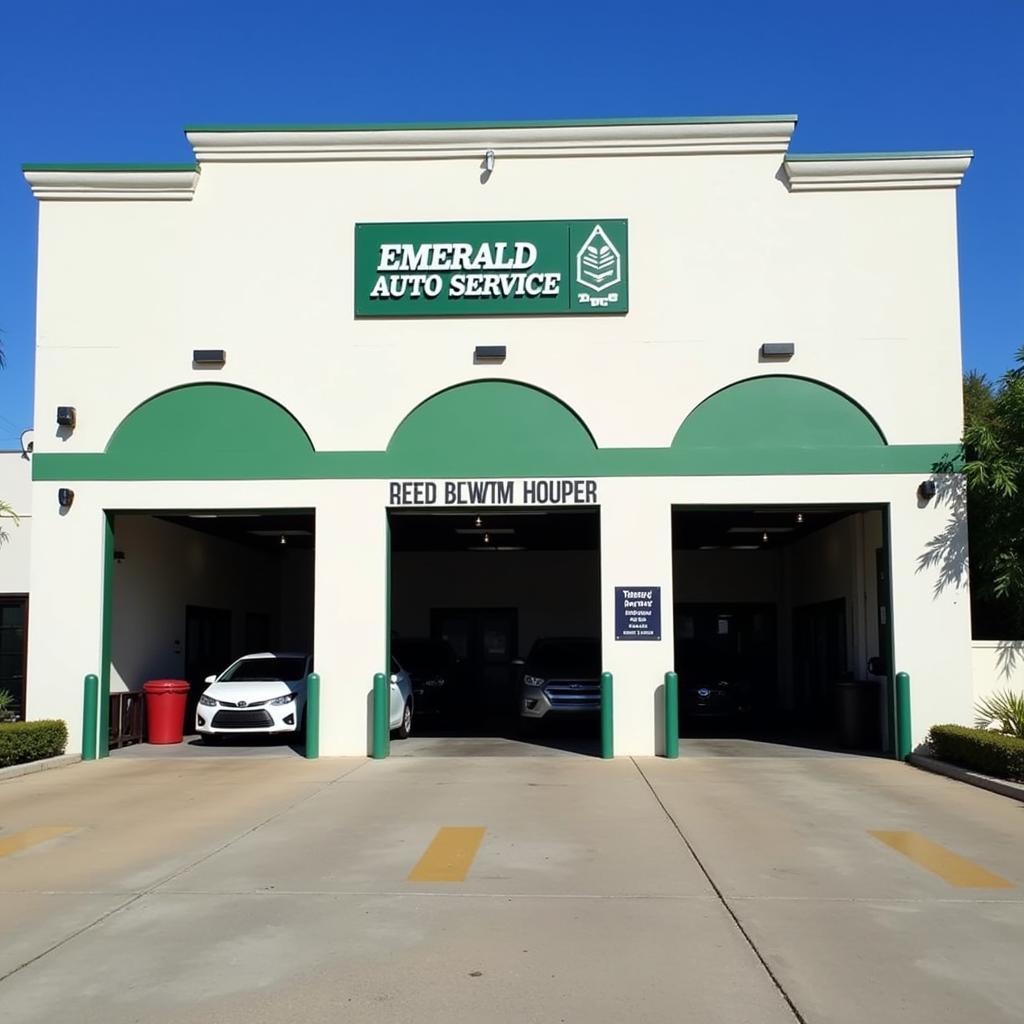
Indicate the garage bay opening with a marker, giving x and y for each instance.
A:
(782, 628)
(495, 619)
(193, 592)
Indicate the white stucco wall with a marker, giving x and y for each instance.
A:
(722, 258)
(997, 665)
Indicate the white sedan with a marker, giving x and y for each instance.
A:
(259, 693)
(266, 694)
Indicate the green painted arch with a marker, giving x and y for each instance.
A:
(209, 430)
(778, 413)
(492, 428)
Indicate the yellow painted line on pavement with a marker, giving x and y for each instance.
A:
(31, 837)
(949, 866)
(449, 856)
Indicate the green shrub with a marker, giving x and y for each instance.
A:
(21, 742)
(982, 750)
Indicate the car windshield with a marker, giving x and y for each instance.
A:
(559, 655)
(254, 670)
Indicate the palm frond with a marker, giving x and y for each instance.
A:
(1006, 709)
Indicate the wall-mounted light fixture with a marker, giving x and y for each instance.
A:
(489, 161)
(65, 497)
(489, 354)
(66, 416)
(208, 357)
(926, 490)
(777, 350)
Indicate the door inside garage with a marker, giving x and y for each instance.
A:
(194, 590)
(495, 616)
(782, 626)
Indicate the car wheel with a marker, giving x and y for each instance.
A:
(211, 739)
(405, 729)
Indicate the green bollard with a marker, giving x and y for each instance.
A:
(671, 714)
(312, 716)
(89, 708)
(607, 718)
(903, 734)
(381, 716)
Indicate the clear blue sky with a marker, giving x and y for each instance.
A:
(115, 81)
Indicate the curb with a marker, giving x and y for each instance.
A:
(17, 770)
(1014, 790)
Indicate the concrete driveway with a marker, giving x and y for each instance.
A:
(723, 887)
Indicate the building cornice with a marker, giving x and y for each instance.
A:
(853, 172)
(763, 134)
(112, 181)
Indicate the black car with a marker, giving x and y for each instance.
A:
(708, 697)
(561, 675)
(434, 671)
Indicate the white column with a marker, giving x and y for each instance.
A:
(636, 551)
(350, 617)
(65, 605)
(931, 603)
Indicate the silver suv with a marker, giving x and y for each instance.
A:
(562, 675)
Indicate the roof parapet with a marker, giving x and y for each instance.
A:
(112, 181)
(854, 172)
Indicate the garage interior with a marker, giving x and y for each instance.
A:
(471, 593)
(193, 591)
(781, 614)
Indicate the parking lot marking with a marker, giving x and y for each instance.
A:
(449, 856)
(31, 837)
(950, 867)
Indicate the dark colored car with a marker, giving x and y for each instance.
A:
(706, 697)
(561, 675)
(435, 673)
(720, 653)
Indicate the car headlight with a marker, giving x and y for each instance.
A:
(208, 701)
(434, 682)
(533, 681)
(286, 699)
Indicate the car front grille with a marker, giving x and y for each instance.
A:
(242, 720)
(245, 704)
(574, 695)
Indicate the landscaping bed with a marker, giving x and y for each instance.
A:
(981, 750)
(22, 742)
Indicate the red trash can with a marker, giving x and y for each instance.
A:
(165, 709)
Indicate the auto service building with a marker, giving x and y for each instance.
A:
(664, 383)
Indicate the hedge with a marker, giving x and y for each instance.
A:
(21, 742)
(982, 750)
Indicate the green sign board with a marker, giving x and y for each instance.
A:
(488, 268)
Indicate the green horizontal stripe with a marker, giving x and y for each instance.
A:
(600, 462)
(412, 126)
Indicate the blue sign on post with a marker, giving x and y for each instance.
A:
(638, 613)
